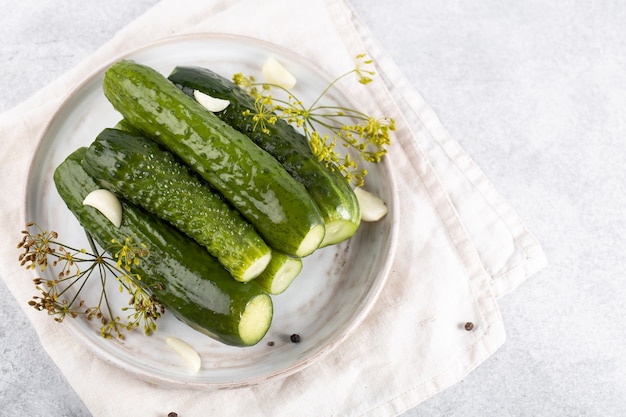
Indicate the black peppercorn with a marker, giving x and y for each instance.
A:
(172, 414)
(469, 326)
(295, 338)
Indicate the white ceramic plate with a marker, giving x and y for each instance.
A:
(334, 292)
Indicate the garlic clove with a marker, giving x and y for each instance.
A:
(186, 351)
(106, 203)
(275, 73)
(373, 208)
(212, 104)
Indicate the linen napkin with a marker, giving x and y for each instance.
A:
(461, 245)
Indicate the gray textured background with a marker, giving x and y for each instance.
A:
(534, 91)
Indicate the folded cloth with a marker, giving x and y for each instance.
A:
(460, 247)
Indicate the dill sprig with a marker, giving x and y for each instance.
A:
(325, 126)
(75, 267)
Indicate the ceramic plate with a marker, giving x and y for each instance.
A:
(335, 290)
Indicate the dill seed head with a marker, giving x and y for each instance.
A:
(343, 126)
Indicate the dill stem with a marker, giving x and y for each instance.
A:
(341, 112)
(114, 270)
(329, 86)
(54, 242)
(92, 243)
(315, 120)
(85, 276)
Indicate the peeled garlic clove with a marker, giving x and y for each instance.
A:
(212, 104)
(186, 351)
(106, 203)
(373, 208)
(275, 73)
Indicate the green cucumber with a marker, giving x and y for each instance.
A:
(179, 273)
(248, 177)
(126, 126)
(329, 189)
(279, 274)
(149, 176)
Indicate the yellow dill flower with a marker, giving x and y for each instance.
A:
(57, 301)
(325, 126)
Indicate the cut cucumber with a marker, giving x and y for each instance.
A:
(190, 283)
(279, 274)
(329, 189)
(247, 176)
(149, 176)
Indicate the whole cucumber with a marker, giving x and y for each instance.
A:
(247, 176)
(151, 177)
(179, 273)
(329, 189)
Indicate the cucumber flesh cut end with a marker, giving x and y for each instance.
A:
(256, 319)
(285, 276)
(311, 241)
(255, 269)
(338, 231)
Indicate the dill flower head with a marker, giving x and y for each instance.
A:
(364, 138)
(41, 249)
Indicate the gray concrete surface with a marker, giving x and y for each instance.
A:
(534, 91)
